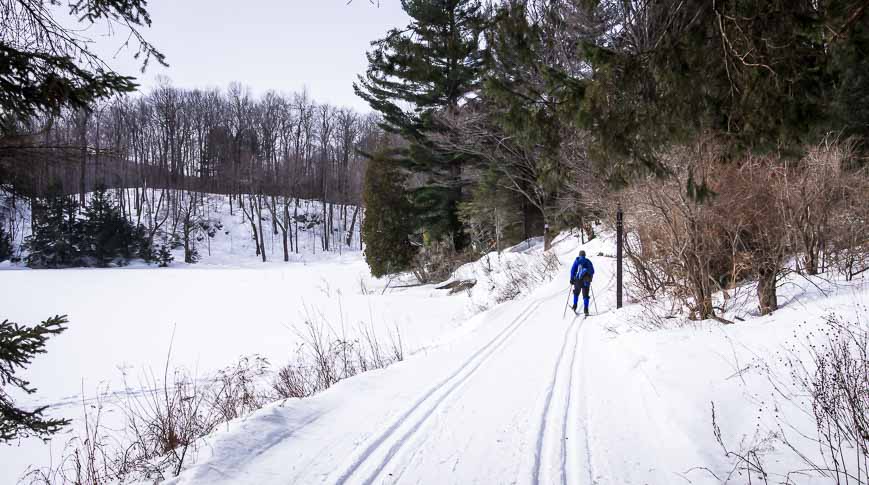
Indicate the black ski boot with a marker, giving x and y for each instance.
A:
(585, 311)
(573, 307)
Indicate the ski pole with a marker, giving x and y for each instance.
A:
(593, 299)
(563, 314)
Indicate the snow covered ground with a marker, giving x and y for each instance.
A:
(523, 395)
(230, 305)
(516, 392)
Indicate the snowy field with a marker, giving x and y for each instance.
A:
(516, 392)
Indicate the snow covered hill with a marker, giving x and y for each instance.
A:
(231, 243)
(500, 383)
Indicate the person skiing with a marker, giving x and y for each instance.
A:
(581, 275)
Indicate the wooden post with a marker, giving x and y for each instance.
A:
(619, 249)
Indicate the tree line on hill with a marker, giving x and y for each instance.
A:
(733, 133)
(266, 154)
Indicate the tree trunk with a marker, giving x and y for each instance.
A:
(352, 226)
(84, 155)
(766, 291)
(259, 215)
(284, 228)
(296, 223)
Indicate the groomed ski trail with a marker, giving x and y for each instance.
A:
(532, 420)
(507, 402)
(367, 465)
(554, 463)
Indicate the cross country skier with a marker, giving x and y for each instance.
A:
(581, 275)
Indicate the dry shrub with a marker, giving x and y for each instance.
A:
(838, 385)
(523, 275)
(674, 240)
(166, 419)
(714, 224)
(751, 210)
(164, 423)
(86, 459)
(831, 385)
(325, 357)
(238, 391)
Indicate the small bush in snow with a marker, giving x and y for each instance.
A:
(839, 391)
(834, 377)
(237, 391)
(521, 275)
(325, 357)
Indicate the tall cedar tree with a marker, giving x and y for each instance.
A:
(527, 94)
(19, 344)
(431, 66)
(387, 222)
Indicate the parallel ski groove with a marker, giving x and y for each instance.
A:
(546, 440)
(566, 462)
(448, 385)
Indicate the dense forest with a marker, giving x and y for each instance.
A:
(732, 134)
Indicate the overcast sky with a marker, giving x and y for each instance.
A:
(282, 45)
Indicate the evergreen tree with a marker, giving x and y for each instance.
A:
(849, 44)
(5, 244)
(45, 66)
(655, 83)
(106, 235)
(415, 73)
(164, 255)
(19, 344)
(528, 94)
(55, 241)
(387, 222)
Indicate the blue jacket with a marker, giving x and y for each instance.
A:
(581, 267)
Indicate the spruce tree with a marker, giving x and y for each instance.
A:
(19, 344)
(416, 72)
(387, 222)
(526, 97)
(106, 235)
(55, 241)
(849, 35)
(5, 245)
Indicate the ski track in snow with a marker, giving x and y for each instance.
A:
(552, 432)
(565, 415)
(388, 443)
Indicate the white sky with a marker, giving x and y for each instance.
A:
(281, 45)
